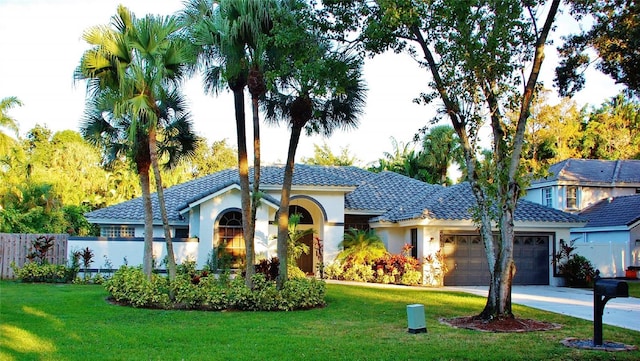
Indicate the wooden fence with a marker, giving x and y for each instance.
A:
(16, 247)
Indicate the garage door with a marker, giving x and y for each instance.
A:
(467, 264)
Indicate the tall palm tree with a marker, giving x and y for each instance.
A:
(6, 121)
(317, 89)
(142, 61)
(230, 36)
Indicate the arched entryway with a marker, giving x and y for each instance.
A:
(230, 247)
(305, 262)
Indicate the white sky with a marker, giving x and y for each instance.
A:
(40, 46)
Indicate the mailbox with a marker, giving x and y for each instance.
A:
(611, 288)
(603, 291)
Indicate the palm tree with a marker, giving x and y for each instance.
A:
(140, 61)
(361, 247)
(6, 121)
(230, 36)
(317, 89)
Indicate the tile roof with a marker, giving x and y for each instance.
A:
(383, 191)
(179, 196)
(456, 202)
(618, 211)
(392, 196)
(594, 171)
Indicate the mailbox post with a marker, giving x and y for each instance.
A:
(603, 291)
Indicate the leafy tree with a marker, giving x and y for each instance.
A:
(322, 155)
(614, 37)
(140, 63)
(230, 37)
(478, 53)
(7, 122)
(612, 131)
(316, 88)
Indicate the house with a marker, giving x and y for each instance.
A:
(205, 213)
(611, 237)
(575, 184)
(606, 194)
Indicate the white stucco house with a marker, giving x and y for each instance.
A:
(606, 194)
(205, 213)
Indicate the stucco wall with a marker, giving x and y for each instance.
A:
(609, 251)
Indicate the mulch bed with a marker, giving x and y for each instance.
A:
(500, 325)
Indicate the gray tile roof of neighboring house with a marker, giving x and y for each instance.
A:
(618, 211)
(394, 196)
(455, 203)
(594, 171)
(179, 196)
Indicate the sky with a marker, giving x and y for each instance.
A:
(41, 45)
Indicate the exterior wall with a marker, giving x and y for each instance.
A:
(121, 251)
(608, 251)
(635, 246)
(587, 195)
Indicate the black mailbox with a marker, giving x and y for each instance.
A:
(611, 288)
(603, 291)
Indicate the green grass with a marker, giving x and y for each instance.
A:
(74, 322)
(634, 288)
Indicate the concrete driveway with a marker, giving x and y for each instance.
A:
(575, 302)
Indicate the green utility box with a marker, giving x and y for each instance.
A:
(415, 316)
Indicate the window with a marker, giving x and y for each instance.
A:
(414, 242)
(572, 197)
(117, 231)
(231, 249)
(547, 197)
(181, 233)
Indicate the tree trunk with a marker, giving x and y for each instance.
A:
(243, 172)
(153, 152)
(283, 211)
(147, 256)
(255, 196)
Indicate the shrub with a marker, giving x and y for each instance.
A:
(576, 269)
(333, 271)
(36, 272)
(358, 273)
(130, 286)
(397, 268)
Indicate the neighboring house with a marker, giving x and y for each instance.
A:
(575, 184)
(599, 190)
(611, 237)
(205, 213)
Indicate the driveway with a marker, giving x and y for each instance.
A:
(574, 302)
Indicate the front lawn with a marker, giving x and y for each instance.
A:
(74, 322)
(634, 288)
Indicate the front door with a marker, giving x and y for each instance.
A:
(305, 262)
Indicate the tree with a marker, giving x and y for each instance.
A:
(440, 150)
(612, 131)
(229, 36)
(316, 88)
(140, 63)
(614, 37)
(7, 122)
(478, 54)
(322, 155)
